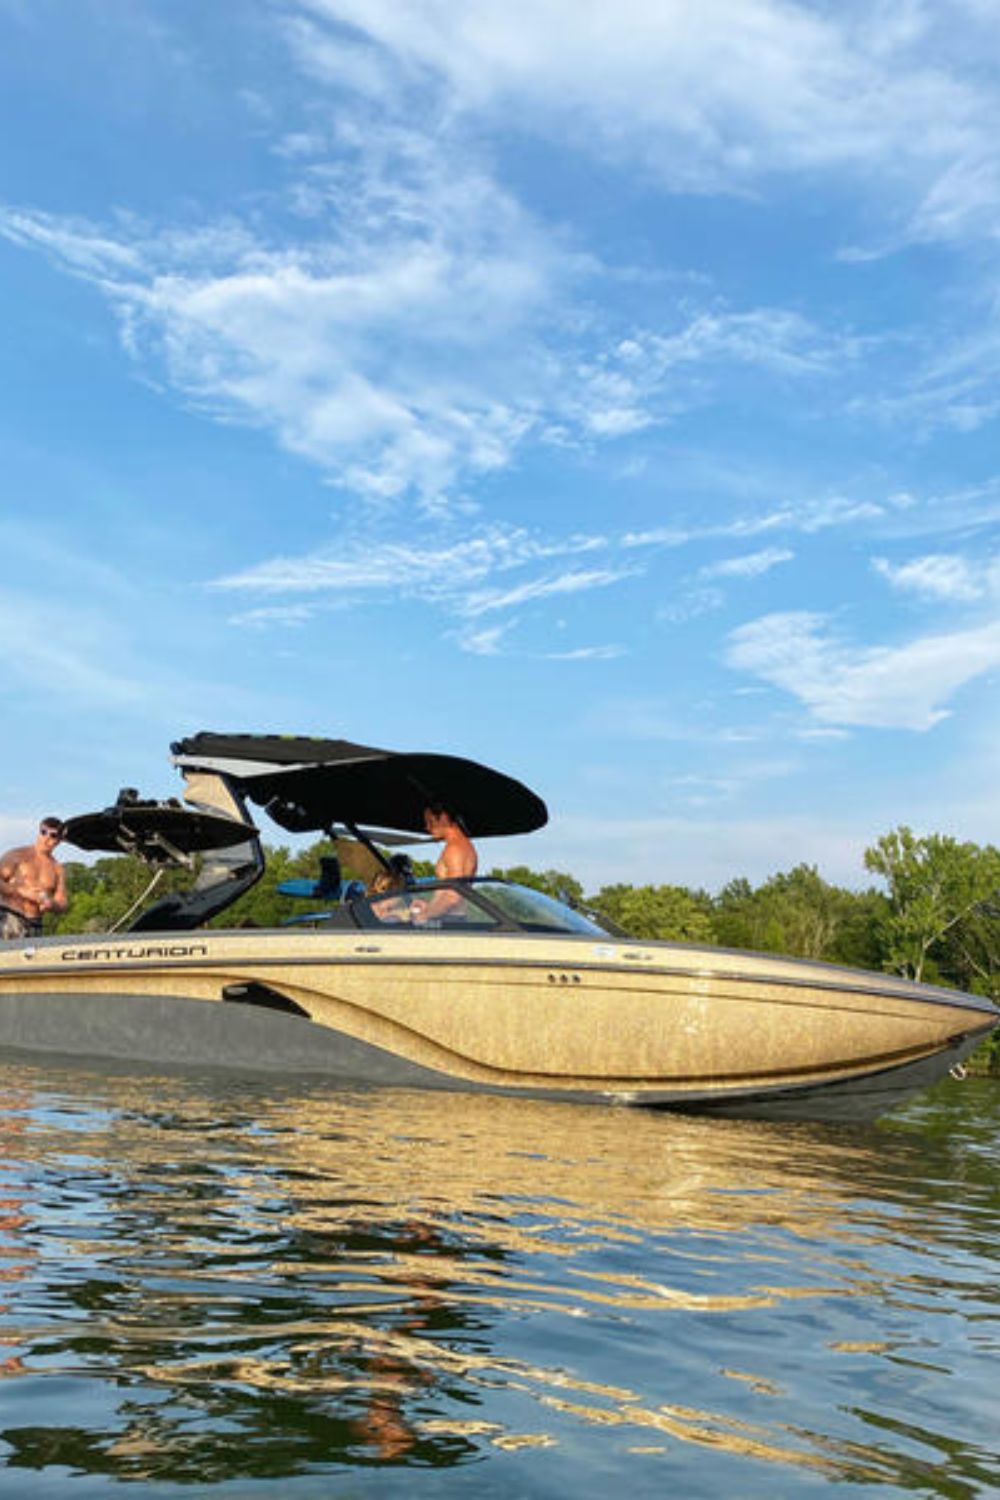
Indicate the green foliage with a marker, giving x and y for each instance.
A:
(262, 905)
(859, 938)
(102, 894)
(552, 882)
(986, 1058)
(939, 920)
(799, 913)
(657, 911)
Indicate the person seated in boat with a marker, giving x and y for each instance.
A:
(384, 892)
(32, 883)
(457, 861)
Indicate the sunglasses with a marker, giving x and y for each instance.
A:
(50, 833)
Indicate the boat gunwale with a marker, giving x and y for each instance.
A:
(902, 989)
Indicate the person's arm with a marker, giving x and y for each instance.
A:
(439, 904)
(8, 876)
(59, 900)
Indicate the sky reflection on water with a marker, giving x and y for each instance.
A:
(260, 1291)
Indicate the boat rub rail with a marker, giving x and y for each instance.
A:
(92, 958)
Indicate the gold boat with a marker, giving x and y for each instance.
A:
(510, 992)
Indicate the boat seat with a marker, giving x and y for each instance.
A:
(327, 888)
(348, 889)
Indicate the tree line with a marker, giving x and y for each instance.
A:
(934, 915)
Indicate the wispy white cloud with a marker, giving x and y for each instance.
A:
(806, 517)
(487, 642)
(942, 576)
(493, 568)
(474, 575)
(962, 512)
(289, 616)
(820, 733)
(888, 687)
(415, 325)
(767, 338)
(575, 582)
(403, 350)
(781, 87)
(700, 597)
(496, 640)
(434, 333)
(434, 569)
(750, 565)
(462, 579)
(80, 246)
(346, 62)
(654, 377)
(689, 604)
(702, 789)
(900, 100)
(954, 390)
(587, 653)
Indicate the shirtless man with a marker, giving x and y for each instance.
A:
(31, 883)
(457, 860)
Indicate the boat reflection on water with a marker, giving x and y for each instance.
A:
(15, 1251)
(250, 1282)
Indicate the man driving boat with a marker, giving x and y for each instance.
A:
(457, 861)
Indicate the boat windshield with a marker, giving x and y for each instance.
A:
(534, 910)
(474, 905)
(413, 907)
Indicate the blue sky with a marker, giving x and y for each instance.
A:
(607, 391)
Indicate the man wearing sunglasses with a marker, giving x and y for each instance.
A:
(32, 883)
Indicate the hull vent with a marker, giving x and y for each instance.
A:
(254, 993)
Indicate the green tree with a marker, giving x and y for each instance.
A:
(806, 911)
(971, 950)
(936, 890)
(799, 913)
(262, 905)
(733, 915)
(860, 940)
(112, 891)
(657, 911)
(552, 882)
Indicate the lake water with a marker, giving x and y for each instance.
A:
(245, 1289)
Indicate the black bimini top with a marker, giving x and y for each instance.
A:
(264, 750)
(308, 784)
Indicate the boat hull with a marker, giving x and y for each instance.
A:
(539, 1016)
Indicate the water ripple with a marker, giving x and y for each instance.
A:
(206, 1283)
